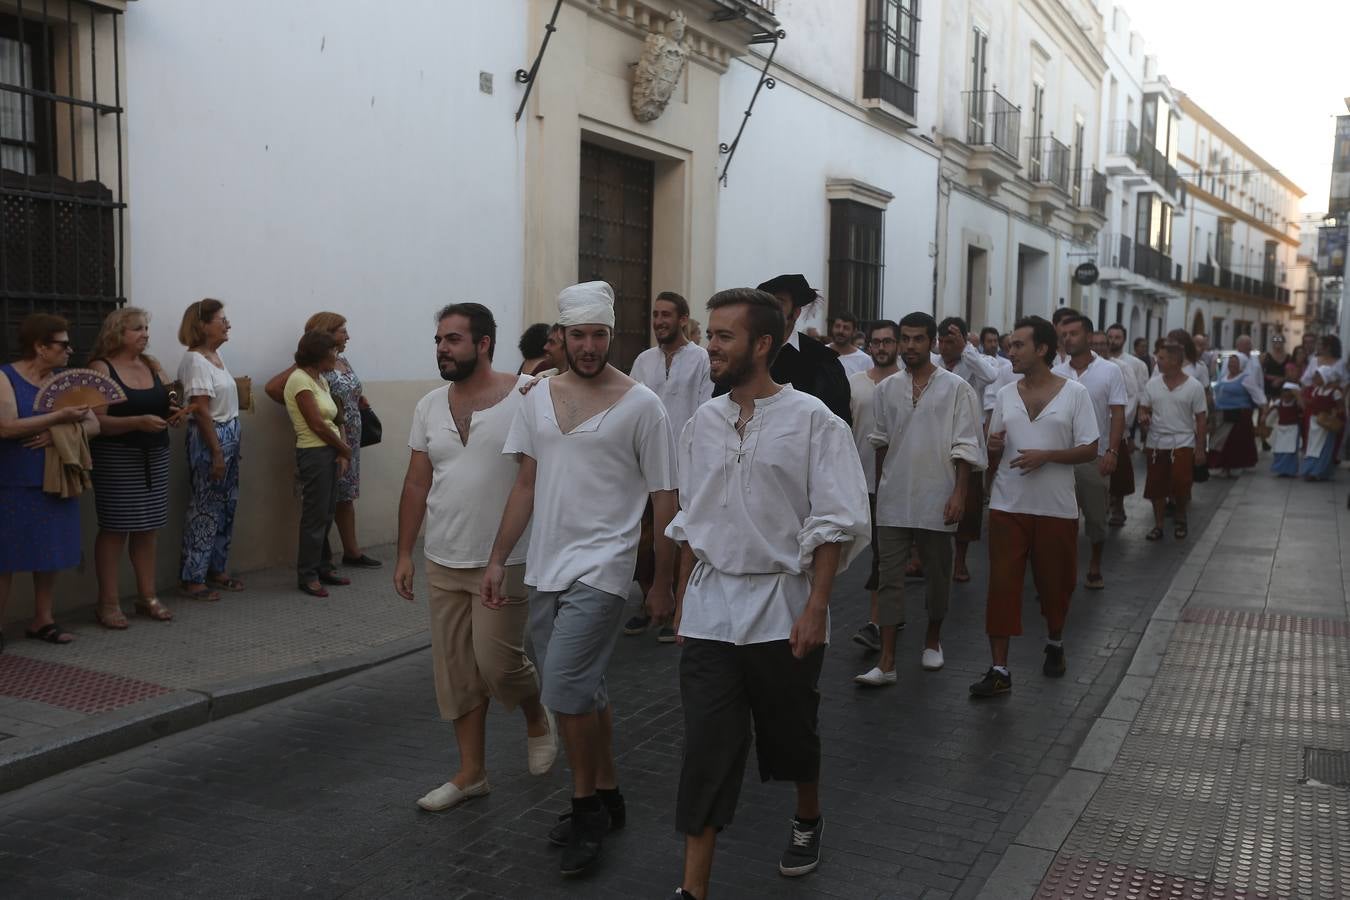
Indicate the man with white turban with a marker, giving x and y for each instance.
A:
(593, 446)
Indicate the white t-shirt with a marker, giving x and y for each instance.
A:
(1067, 421)
(1199, 371)
(201, 378)
(753, 510)
(591, 487)
(923, 442)
(469, 483)
(854, 362)
(861, 391)
(684, 388)
(1172, 424)
(1106, 387)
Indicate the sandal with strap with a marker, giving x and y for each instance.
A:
(51, 633)
(111, 618)
(150, 607)
(201, 593)
(1153, 535)
(1180, 532)
(225, 582)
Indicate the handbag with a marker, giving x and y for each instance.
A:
(372, 430)
(1329, 421)
(1199, 473)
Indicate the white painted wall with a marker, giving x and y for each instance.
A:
(773, 215)
(291, 157)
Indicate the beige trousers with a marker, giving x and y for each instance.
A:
(478, 653)
(935, 552)
(1092, 488)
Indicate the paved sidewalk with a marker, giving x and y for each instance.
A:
(1221, 767)
(60, 706)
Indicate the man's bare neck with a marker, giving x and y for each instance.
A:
(1080, 361)
(673, 347)
(757, 387)
(881, 373)
(484, 380)
(1039, 377)
(922, 371)
(608, 377)
(847, 349)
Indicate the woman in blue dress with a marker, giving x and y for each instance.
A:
(1232, 439)
(39, 532)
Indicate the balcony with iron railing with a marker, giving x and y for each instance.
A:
(1152, 263)
(1210, 275)
(1091, 191)
(992, 120)
(1049, 163)
(1113, 257)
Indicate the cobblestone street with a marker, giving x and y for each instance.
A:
(313, 796)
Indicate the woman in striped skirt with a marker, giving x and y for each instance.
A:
(131, 465)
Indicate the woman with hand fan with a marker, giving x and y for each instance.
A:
(321, 456)
(131, 464)
(39, 532)
(213, 451)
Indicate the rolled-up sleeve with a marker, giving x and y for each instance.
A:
(837, 494)
(967, 427)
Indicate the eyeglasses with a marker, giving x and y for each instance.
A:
(64, 345)
(883, 342)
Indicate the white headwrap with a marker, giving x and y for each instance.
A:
(590, 303)
(1290, 386)
(1328, 374)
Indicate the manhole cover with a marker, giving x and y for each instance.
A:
(1326, 766)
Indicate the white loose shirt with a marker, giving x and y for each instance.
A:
(1005, 376)
(754, 509)
(861, 391)
(855, 362)
(202, 378)
(469, 483)
(977, 369)
(591, 486)
(1068, 421)
(924, 441)
(683, 387)
(1172, 412)
(1106, 387)
(1136, 375)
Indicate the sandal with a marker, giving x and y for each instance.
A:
(1153, 535)
(112, 618)
(1094, 582)
(313, 591)
(152, 608)
(201, 593)
(1116, 520)
(961, 577)
(51, 633)
(330, 576)
(225, 582)
(914, 570)
(1180, 532)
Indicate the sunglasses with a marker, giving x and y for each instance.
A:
(64, 345)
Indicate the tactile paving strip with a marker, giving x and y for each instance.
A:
(70, 687)
(1207, 798)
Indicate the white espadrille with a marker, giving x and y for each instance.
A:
(876, 678)
(933, 659)
(543, 750)
(450, 795)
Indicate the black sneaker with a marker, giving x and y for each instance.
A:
(1054, 662)
(561, 833)
(361, 562)
(868, 636)
(666, 635)
(637, 625)
(803, 850)
(588, 829)
(992, 684)
(682, 894)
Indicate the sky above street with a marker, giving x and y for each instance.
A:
(1275, 74)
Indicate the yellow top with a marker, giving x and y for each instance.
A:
(299, 382)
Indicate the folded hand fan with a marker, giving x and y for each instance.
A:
(78, 387)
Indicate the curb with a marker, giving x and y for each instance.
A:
(1024, 864)
(26, 760)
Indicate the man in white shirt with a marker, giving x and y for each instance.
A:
(961, 357)
(593, 446)
(1173, 410)
(843, 330)
(458, 480)
(991, 343)
(882, 343)
(759, 557)
(928, 440)
(1207, 358)
(1106, 386)
(1136, 375)
(1045, 425)
(676, 370)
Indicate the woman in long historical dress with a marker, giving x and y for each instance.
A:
(1324, 400)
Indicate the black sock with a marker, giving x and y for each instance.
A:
(808, 824)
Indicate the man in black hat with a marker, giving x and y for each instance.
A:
(804, 362)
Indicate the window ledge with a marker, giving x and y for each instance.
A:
(877, 106)
(858, 192)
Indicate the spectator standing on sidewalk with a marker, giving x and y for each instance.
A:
(1174, 412)
(760, 552)
(1045, 425)
(882, 344)
(593, 446)
(213, 443)
(321, 457)
(346, 388)
(843, 332)
(676, 370)
(39, 532)
(956, 354)
(1136, 374)
(131, 465)
(928, 446)
(1232, 444)
(1106, 387)
(458, 480)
